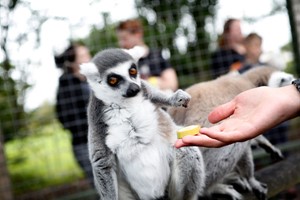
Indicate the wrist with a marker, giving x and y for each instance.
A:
(292, 99)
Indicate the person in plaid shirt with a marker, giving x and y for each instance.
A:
(72, 99)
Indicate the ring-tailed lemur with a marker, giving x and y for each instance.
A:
(131, 138)
(235, 159)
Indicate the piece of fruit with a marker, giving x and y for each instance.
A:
(188, 130)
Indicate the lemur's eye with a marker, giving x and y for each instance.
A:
(132, 71)
(113, 80)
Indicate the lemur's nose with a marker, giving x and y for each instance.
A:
(132, 90)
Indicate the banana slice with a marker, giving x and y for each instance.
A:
(189, 130)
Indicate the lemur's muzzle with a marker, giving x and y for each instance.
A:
(132, 90)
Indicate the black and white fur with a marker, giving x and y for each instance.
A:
(131, 138)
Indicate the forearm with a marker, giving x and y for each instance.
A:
(161, 98)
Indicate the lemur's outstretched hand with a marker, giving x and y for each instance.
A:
(179, 98)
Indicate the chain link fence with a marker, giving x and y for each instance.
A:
(38, 161)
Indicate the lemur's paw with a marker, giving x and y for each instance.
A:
(238, 182)
(230, 195)
(224, 192)
(261, 193)
(224, 197)
(180, 98)
(259, 189)
(277, 155)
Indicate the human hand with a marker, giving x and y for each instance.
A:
(249, 114)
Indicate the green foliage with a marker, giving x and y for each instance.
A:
(43, 116)
(162, 32)
(13, 118)
(12, 4)
(290, 68)
(288, 47)
(291, 65)
(41, 160)
(100, 39)
(169, 25)
(12, 115)
(12, 91)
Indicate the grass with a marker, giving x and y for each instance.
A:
(41, 160)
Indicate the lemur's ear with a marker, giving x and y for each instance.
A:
(89, 70)
(137, 52)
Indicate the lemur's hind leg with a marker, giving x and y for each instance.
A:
(188, 176)
(245, 168)
(179, 98)
(264, 143)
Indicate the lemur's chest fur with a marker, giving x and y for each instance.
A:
(130, 126)
(134, 137)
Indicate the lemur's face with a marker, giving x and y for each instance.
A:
(115, 85)
(279, 79)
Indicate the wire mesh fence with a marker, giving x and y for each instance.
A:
(41, 160)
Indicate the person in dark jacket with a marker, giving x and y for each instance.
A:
(72, 99)
(231, 48)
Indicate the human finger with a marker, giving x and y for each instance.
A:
(179, 143)
(221, 112)
(202, 140)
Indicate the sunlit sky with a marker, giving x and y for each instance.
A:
(275, 31)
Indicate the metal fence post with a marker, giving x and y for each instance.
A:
(293, 7)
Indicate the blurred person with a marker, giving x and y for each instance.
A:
(248, 115)
(152, 66)
(253, 51)
(72, 100)
(231, 48)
